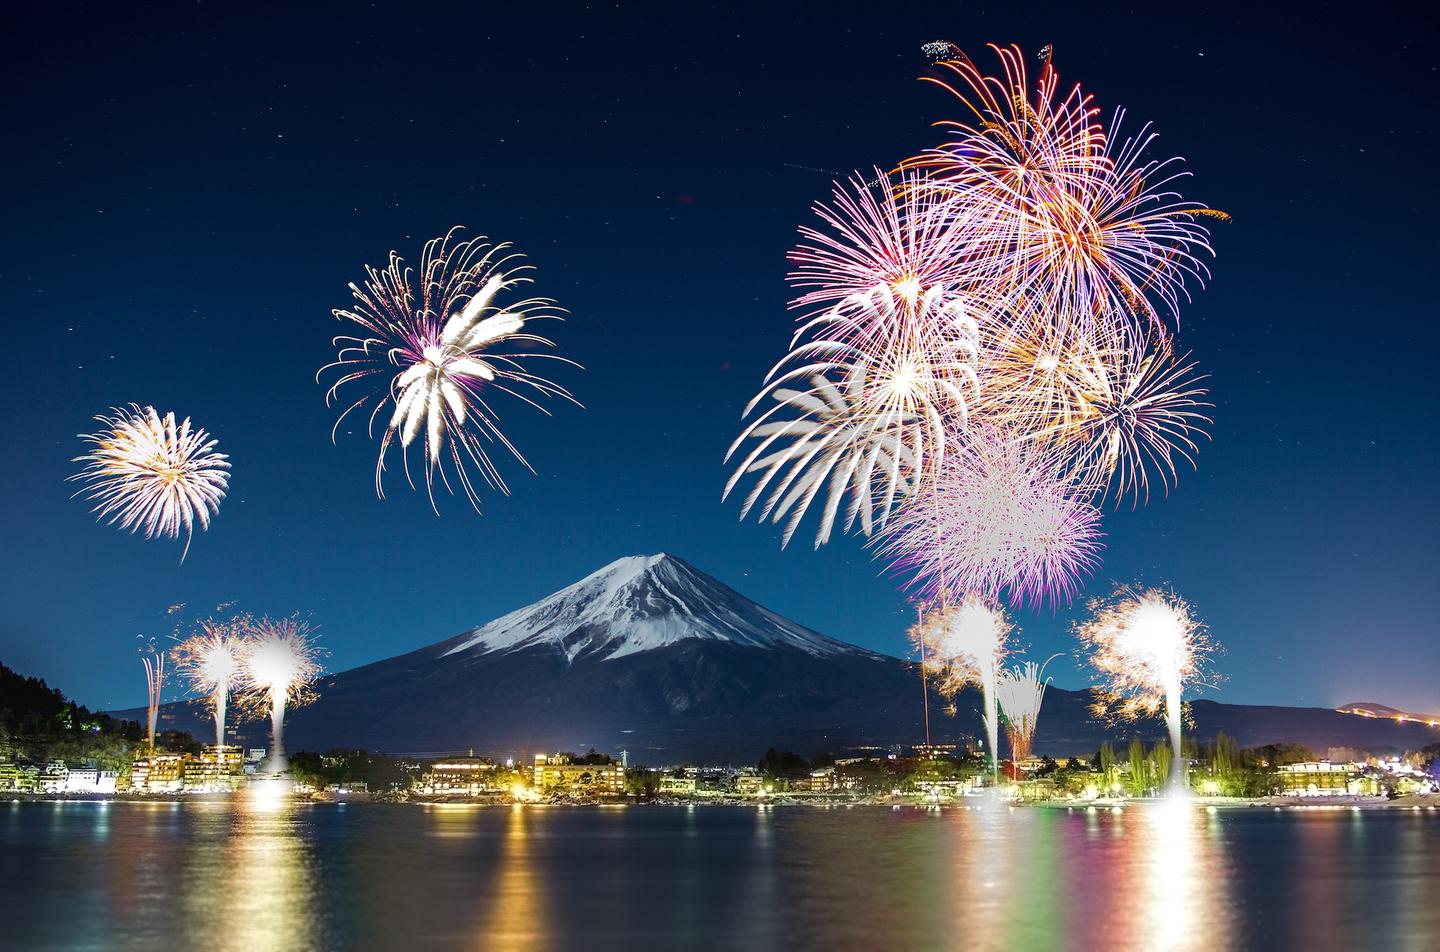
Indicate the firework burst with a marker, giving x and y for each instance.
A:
(279, 663)
(1147, 648)
(435, 351)
(874, 434)
(887, 234)
(1021, 691)
(209, 660)
(1117, 417)
(148, 472)
(964, 643)
(998, 519)
(1061, 218)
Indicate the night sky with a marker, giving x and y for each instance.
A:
(189, 192)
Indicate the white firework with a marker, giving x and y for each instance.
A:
(148, 472)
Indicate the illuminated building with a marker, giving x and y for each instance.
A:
(463, 775)
(678, 786)
(159, 773)
(556, 774)
(9, 776)
(53, 778)
(90, 780)
(750, 785)
(1322, 778)
(215, 769)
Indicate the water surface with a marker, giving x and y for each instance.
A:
(129, 875)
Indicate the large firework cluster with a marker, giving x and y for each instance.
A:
(986, 346)
(985, 355)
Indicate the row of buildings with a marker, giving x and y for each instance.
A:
(549, 775)
(213, 770)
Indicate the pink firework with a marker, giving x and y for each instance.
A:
(887, 236)
(1000, 520)
(1070, 226)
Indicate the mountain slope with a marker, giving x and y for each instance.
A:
(652, 655)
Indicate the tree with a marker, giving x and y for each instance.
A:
(1138, 772)
(1160, 756)
(1105, 761)
(784, 763)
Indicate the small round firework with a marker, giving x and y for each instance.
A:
(147, 472)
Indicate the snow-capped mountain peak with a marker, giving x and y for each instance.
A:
(640, 603)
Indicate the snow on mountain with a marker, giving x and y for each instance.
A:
(641, 603)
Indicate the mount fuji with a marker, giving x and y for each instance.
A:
(649, 654)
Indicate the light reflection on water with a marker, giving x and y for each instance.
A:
(1152, 876)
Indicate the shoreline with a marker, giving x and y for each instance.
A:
(1212, 804)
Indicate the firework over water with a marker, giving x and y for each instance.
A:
(210, 661)
(147, 472)
(1147, 648)
(435, 351)
(966, 642)
(1021, 691)
(1000, 521)
(279, 662)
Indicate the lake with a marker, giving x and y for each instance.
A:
(130, 875)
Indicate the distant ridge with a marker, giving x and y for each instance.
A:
(652, 655)
(1371, 709)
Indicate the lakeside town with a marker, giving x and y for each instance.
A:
(922, 774)
(51, 747)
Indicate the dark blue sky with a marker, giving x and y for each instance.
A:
(189, 193)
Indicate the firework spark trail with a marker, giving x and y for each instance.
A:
(434, 359)
(888, 235)
(147, 472)
(278, 664)
(999, 520)
(967, 642)
(1147, 648)
(1021, 691)
(210, 661)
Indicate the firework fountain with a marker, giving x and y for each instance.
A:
(1147, 648)
(154, 661)
(279, 663)
(966, 642)
(1021, 691)
(210, 661)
